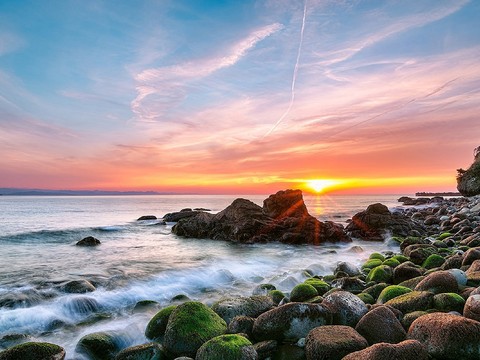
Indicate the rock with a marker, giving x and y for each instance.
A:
(241, 324)
(99, 346)
(447, 336)
(381, 325)
(321, 286)
(347, 268)
(289, 352)
(82, 305)
(147, 217)
(10, 340)
(391, 292)
(150, 351)
(409, 318)
(438, 282)
(468, 181)
(184, 214)
(263, 289)
(333, 342)
(406, 350)
(290, 321)
(448, 302)
(452, 262)
(418, 253)
(245, 222)
(303, 292)
(157, 326)
(380, 274)
(34, 351)
(472, 307)
(190, 325)
(350, 284)
(470, 256)
(346, 308)
(433, 261)
(251, 306)
(376, 222)
(276, 295)
(414, 301)
(460, 276)
(227, 347)
(265, 349)
(88, 241)
(78, 287)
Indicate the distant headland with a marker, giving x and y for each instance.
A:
(44, 192)
(450, 193)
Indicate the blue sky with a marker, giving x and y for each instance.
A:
(237, 94)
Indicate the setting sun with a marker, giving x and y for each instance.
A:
(319, 185)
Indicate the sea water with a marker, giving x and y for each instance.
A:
(141, 260)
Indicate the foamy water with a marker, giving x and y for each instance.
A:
(140, 261)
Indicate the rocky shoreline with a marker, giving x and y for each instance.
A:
(422, 301)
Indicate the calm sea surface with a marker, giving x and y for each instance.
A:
(139, 261)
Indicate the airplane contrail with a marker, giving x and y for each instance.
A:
(295, 71)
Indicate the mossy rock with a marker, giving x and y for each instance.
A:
(444, 235)
(449, 302)
(409, 318)
(276, 296)
(151, 351)
(321, 286)
(391, 262)
(227, 347)
(391, 292)
(328, 278)
(263, 289)
(382, 273)
(400, 258)
(412, 283)
(433, 261)
(412, 301)
(158, 324)
(99, 346)
(303, 292)
(33, 351)
(366, 298)
(377, 255)
(372, 263)
(375, 290)
(190, 325)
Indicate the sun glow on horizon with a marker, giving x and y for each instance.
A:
(319, 185)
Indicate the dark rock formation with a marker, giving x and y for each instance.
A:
(88, 241)
(284, 217)
(468, 181)
(34, 350)
(177, 216)
(147, 217)
(377, 221)
(406, 350)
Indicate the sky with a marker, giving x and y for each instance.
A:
(244, 97)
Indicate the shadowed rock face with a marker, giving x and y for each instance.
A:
(468, 181)
(283, 217)
(377, 221)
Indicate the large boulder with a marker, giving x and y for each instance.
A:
(249, 306)
(151, 351)
(189, 326)
(283, 218)
(406, 350)
(447, 336)
(290, 321)
(227, 347)
(88, 241)
(346, 308)
(33, 351)
(99, 346)
(377, 222)
(468, 181)
(333, 342)
(381, 325)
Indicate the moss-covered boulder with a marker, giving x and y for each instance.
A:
(409, 318)
(366, 298)
(413, 301)
(379, 274)
(377, 255)
(252, 306)
(303, 292)
(151, 351)
(190, 325)
(276, 296)
(438, 282)
(419, 253)
(227, 347)
(99, 345)
(158, 324)
(371, 263)
(333, 342)
(391, 292)
(444, 235)
(33, 351)
(405, 271)
(375, 290)
(291, 321)
(433, 261)
(392, 262)
(381, 325)
(448, 302)
(400, 258)
(321, 286)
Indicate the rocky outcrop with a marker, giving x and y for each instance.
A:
(468, 181)
(283, 217)
(88, 241)
(376, 222)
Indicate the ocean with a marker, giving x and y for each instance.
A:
(141, 260)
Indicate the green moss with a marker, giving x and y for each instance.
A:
(98, 346)
(401, 258)
(375, 290)
(448, 302)
(391, 292)
(226, 347)
(32, 351)
(303, 292)
(398, 239)
(276, 296)
(444, 251)
(412, 283)
(329, 278)
(433, 261)
(321, 286)
(382, 273)
(409, 318)
(444, 235)
(412, 301)
(376, 255)
(158, 324)
(366, 298)
(372, 263)
(391, 262)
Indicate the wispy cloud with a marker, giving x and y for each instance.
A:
(168, 83)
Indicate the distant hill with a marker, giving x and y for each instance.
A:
(43, 192)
